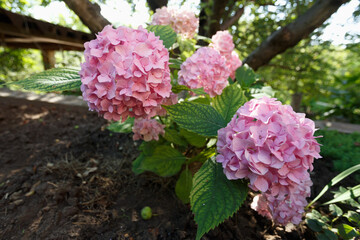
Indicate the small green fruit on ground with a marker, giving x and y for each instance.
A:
(146, 213)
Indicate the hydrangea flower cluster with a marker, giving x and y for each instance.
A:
(222, 41)
(274, 147)
(206, 69)
(173, 99)
(183, 21)
(147, 129)
(233, 62)
(125, 73)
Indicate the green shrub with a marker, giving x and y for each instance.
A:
(342, 148)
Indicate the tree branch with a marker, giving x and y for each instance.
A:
(155, 4)
(284, 67)
(89, 14)
(228, 23)
(293, 33)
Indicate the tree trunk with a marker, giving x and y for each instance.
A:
(89, 14)
(48, 57)
(293, 33)
(296, 101)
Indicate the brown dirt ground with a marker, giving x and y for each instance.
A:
(64, 176)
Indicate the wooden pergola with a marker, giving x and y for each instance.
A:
(18, 31)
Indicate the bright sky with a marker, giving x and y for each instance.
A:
(120, 13)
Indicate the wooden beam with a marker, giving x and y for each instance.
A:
(21, 31)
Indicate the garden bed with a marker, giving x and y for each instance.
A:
(64, 176)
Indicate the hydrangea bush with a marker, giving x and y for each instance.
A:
(197, 118)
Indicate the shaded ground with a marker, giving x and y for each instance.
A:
(63, 176)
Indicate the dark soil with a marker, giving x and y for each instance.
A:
(64, 176)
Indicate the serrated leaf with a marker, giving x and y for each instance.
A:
(55, 79)
(245, 76)
(198, 118)
(200, 99)
(231, 99)
(193, 138)
(122, 127)
(183, 186)
(198, 91)
(179, 88)
(165, 32)
(213, 197)
(174, 136)
(165, 161)
(351, 193)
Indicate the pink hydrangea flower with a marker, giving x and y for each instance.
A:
(125, 73)
(283, 206)
(222, 41)
(183, 21)
(162, 16)
(173, 99)
(147, 129)
(206, 69)
(233, 62)
(269, 144)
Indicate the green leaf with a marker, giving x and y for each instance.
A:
(175, 63)
(147, 149)
(335, 210)
(245, 76)
(327, 235)
(314, 214)
(55, 79)
(351, 193)
(179, 88)
(174, 136)
(203, 155)
(334, 181)
(198, 91)
(347, 231)
(265, 91)
(165, 32)
(136, 164)
(200, 99)
(193, 138)
(213, 197)
(229, 101)
(315, 225)
(122, 127)
(165, 161)
(198, 118)
(183, 186)
(353, 217)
